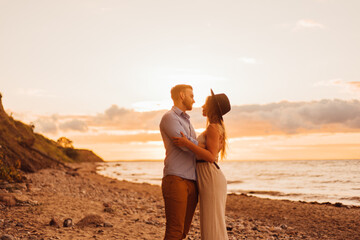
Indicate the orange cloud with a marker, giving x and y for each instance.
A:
(352, 86)
(355, 84)
(104, 138)
(283, 118)
(326, 129)
(313, 152)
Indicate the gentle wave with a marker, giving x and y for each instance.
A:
(352, 199)
(321, 181)
(273, 193)
(234, 182)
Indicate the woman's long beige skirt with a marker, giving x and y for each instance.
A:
(212, 193)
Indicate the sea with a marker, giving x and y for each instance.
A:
(323, 181)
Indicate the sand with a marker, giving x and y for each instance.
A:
(97, 207)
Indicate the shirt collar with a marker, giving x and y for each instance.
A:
(180, 113)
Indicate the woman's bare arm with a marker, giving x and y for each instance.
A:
(212, 144)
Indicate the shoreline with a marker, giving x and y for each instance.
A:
(309, 188)
(272, 195)
(126, 210)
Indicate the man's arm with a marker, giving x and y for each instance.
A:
(171, 126)
(209, 154)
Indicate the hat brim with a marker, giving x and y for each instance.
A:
(217, 103)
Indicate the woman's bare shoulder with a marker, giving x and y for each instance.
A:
(214, 127)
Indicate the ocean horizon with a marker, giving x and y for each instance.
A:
(298, 180)
(244, 160)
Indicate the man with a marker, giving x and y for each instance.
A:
(179, 178)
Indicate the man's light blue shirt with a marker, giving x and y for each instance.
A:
(179, 161)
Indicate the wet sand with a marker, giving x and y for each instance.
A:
(124, 210)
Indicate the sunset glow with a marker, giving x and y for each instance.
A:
(100, 73)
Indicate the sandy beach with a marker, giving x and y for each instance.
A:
(96, 207)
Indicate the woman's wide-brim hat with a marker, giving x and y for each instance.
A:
(222, 101)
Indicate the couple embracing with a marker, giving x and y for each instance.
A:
(190, 168)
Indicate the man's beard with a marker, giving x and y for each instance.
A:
(188, 105)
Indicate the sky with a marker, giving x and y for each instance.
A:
(100, 72)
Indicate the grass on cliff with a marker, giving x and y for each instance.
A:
(50, 148)
(18, 142)
(28, 137)
(10, 173)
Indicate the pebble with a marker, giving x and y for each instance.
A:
(108, 225)
(276, 229)
(91, 219)
(5, 185)
(283, 226)
(7, 237)
(28, 187)
(339, 204)
(73, 174)
(54, 222)
(135, 206)
(7, 199)
(68, 222)
(109, 210)
(107, 205)
(229, 228)
(17, 191)
(54, 237)
(19, 225)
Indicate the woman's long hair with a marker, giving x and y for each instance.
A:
(214, 116)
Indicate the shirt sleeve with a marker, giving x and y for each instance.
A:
(171, 126)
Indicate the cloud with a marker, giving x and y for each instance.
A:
(117, 124)
(74, 125)
(346, 86)
(331, 82)
(307, 24)
(297, 117)
(32, 92)
(355, 84)
(112, 119)
(104, 138)
(253, 120)
(121, 118)
(57, 124)
(46, 125)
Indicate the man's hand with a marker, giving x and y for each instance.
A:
(202, 145)
(181, 141)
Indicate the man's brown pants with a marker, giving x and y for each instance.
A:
(180, 197)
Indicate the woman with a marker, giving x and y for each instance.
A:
(211, 181)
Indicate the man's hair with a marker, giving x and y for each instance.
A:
(176, 90)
